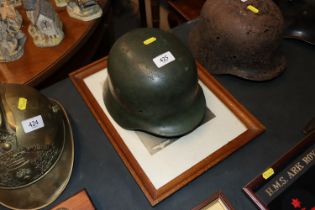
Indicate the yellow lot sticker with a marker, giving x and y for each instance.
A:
(268, 173)
(22, 103)
(253, 9)
(149, 40)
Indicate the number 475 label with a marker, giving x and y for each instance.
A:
(163, 59)
(32, 124)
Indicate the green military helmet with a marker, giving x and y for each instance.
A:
(152, 84)
(36, 148)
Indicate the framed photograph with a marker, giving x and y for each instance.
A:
(227, 126)
(289, 182)
(216, 202)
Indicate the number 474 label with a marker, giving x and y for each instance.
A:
(32, 124)
(163, 59)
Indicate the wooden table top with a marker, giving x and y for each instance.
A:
(37, 64)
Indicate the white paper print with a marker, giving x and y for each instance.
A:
(32, 124)
(163, 59)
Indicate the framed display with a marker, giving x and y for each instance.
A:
(79, 201)
(289, 182)
(150, 159)
(216, 202)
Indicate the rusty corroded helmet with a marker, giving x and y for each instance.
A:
(239, 37)
(153, 85)
(36, 148)
(299, 19)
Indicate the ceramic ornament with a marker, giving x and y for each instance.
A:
(84, 10)
(12, 40)
(46, 27)
(61, 3)
(14, 3)
(10, 15)
(11, 43)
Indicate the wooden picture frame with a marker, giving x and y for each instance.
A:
(79, 201)
(218, 201)
(274, 183)
(85, 78)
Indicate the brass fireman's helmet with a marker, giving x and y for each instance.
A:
(36, 148)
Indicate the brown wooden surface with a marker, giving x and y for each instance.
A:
(251, 188)
(254, 128)
(79, 201)
(38, 63)
(188, 9)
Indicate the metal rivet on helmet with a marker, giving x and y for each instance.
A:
(152, 84)
(36, 148)
(240, 38)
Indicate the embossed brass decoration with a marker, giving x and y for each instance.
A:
(36, 157)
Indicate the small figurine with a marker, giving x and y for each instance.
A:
(10, 15)
(85, 10)
(46, 27)
(14, 3)
(12, 40)
(11, 43)
(61, 3)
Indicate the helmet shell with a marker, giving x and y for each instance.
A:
(232, 39)
(139, 95)
(299, 19)
(35, 138)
